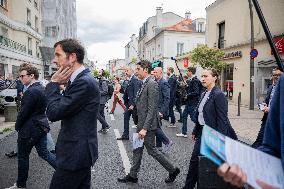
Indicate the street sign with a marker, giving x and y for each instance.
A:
(253, 53)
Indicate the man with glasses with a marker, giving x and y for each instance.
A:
(276, 73)
(32, 124)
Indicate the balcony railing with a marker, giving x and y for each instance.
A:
(30, 52)
(12, 44)
(36, 6)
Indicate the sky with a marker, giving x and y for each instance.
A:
(105, 27)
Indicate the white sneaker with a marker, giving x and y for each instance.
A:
(172, 125)
(181, 135)
(134, 127)
(15, 187)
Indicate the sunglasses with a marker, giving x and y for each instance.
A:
(21, 76)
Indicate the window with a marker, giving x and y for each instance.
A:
(3, 3)
(30, 46)
(28, 17)
(37, 49)
(221, 39)
(180, 48)
(36, 23)
(54, 31)
(36, 3)
(200, 27)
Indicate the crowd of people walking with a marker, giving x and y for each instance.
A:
(78, 100)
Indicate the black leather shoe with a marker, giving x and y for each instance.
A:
(123, 138)
(127, 178)
(172, 176)
(11, 154)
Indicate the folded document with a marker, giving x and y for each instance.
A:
(256, 164)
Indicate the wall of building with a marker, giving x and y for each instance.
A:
(237, 38)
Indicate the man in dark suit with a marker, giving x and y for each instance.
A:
(129, 101)
(164, 101)
(173, 86)
(32, 124)
(77, 108)
(194, 90)
(276, 73)
(148, 121)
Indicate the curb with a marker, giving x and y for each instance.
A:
(3, 136)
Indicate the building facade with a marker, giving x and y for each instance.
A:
(228, 28)
(116, 67)
(175, 41)
(20, 36)
(131, 52)
(153, 26)
(59, 22)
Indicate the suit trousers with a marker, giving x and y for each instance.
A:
(101, 116)
(259, 139)
(65, 179)
(25, 146)
(149, 143)
(126, 118)
(192, 174)
(161, 138)
(172, 113)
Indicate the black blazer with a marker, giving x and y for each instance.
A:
(33, 106)
(164, 96)
(131, 90)
(77, 108)
(266, 101)
(215, 113)
(173, 86)
(194, 90)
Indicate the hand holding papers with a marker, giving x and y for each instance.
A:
(256, 164)
(137, 142)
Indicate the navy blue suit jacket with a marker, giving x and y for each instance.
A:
(173, 86)
(273, 141)
(215, 113)
(33, 106)
(193, 91)
(164, 96)
(78, 107)
(131, 91)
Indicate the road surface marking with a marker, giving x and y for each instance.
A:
(125, 159)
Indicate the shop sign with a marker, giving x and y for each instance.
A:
(279, 44)
(231, 55)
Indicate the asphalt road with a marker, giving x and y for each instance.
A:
(110, 164)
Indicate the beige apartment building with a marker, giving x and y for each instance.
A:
(20, 35)
(228, 28)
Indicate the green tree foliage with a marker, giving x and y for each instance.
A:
(96, 73)
(208, 57)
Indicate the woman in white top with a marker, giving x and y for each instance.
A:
(116, 96)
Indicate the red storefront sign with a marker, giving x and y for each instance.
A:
(185, 62)
(279, 44)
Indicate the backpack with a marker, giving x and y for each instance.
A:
(110, 88)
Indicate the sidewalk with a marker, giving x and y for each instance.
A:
(6, 128)
(247, 124)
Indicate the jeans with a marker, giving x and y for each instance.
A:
(25, 146)
(161, 137)
(101, 116)
(188, 110)
(50, 143)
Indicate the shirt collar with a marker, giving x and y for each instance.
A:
(76, 73)
(144, 80)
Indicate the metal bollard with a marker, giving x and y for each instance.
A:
(239, 104)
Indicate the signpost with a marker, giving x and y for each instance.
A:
(253, 53)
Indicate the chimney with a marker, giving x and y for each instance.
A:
(159, 17)
(188, 15)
